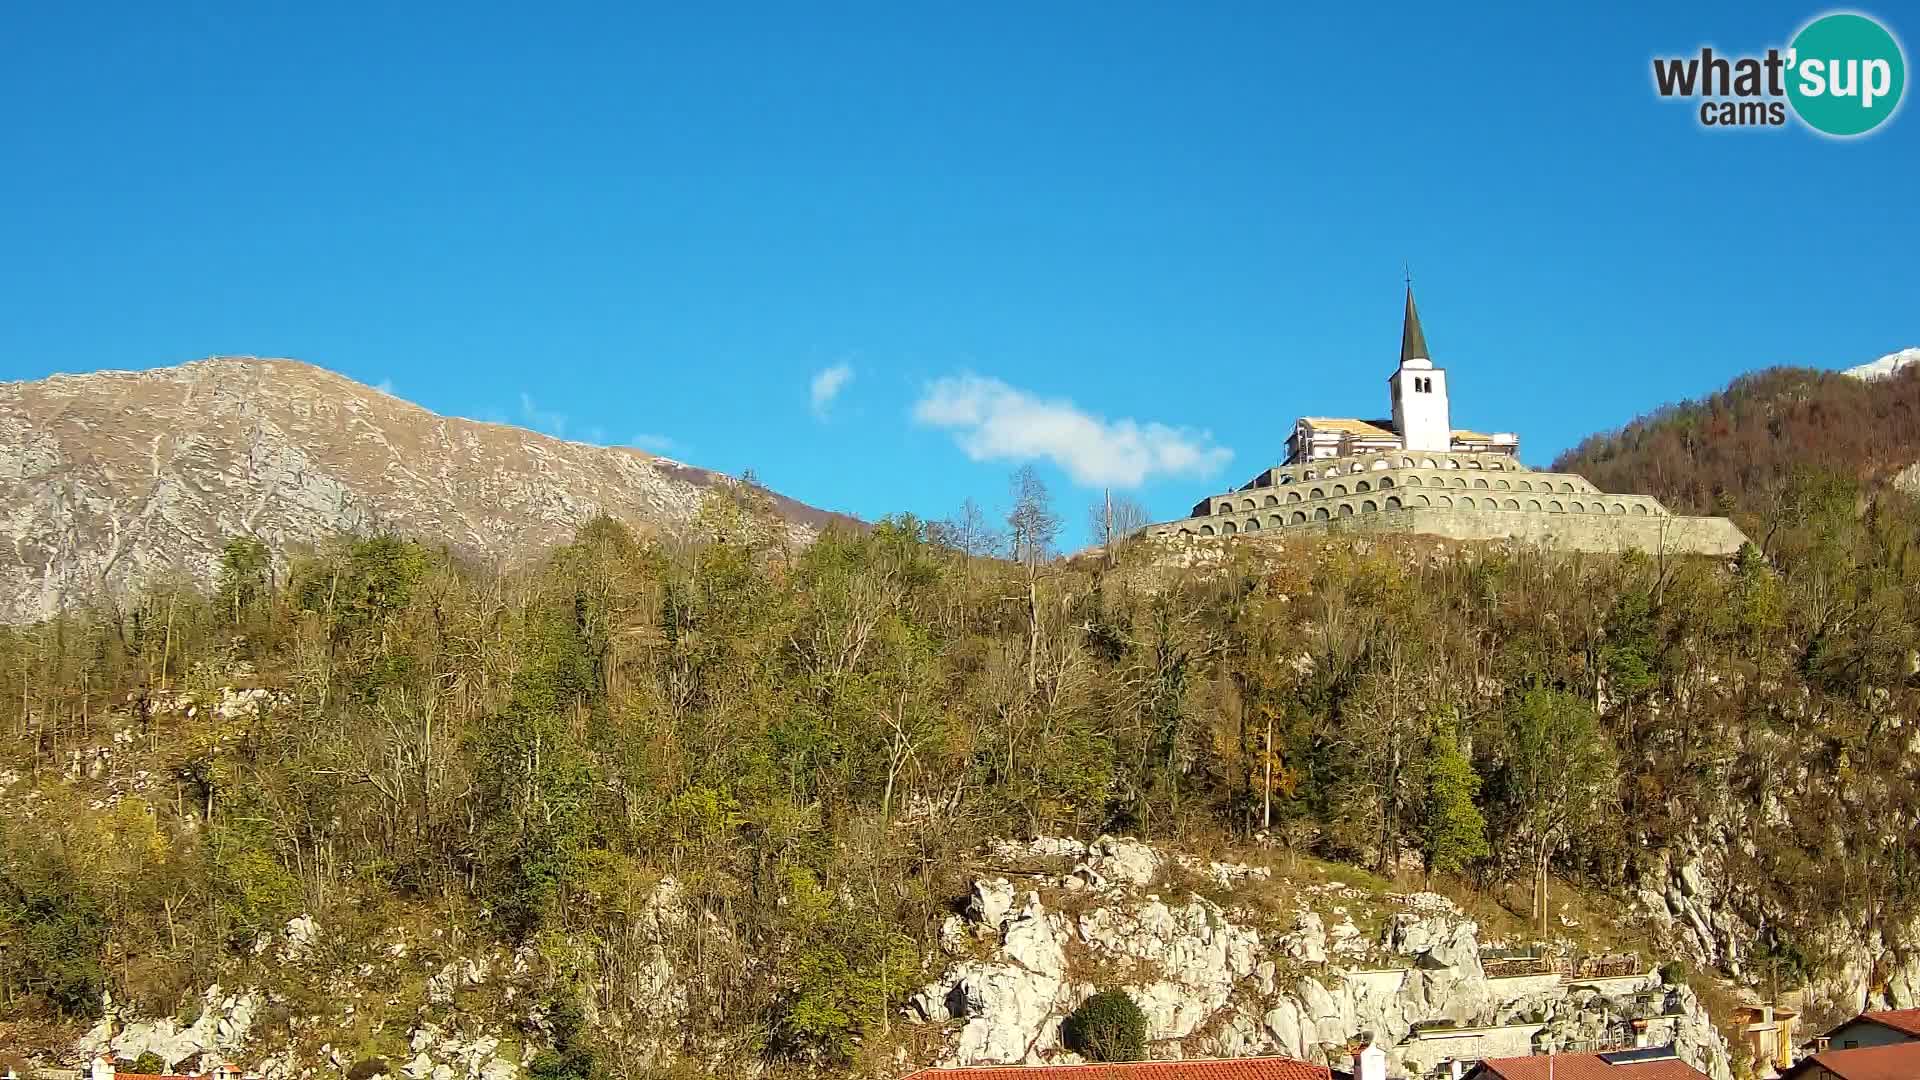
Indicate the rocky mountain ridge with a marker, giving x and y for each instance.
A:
(114, 479)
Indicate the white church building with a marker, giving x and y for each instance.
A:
(1417, 473)
(1421, 419)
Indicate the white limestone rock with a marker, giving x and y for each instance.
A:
(98, 1037)
(1242, 1035)
(1207, 984)
(242, 704)
(1283, 1028)
(1124, 859)
(162, 1038)
(1085, 876)
(1410, 935)
(498, 1069)
(1323, 1017)
(222, 1027)
(1197, 953)
(1005, 1009)
(452, 1054)
(1040, 847)
(440, 986)
(991, 902)
(1347, 938)
(1011, 1008)
(954, 937)
(1696, 1040)
(302, 934)
(1308, 941)
(1036, 940)
(1225, 875)
(1427, 903)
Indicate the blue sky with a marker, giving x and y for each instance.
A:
(1127, 241)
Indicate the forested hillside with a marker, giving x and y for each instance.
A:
(807, 742)
(1731, 451)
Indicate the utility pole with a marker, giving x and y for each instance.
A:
(1266, 796)
(1108, 534)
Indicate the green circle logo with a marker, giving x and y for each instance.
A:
(1846, 73)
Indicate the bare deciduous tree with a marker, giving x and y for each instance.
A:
(966, 530)
(1112, 519)
(1033, 527)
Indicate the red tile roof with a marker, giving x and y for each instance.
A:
(1900, 1061)
(1270, 1068)
(1901, 1020)
(1586, 1067)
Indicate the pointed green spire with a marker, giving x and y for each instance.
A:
(1413, 343)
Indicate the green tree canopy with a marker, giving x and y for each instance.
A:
(1108, 1026)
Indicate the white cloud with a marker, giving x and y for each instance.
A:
(827, 385)
(992, 421)
(543, 420)
(385, 386)
(647, 440)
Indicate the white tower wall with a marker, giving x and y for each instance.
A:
(1420, 413)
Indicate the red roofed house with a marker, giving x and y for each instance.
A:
(1624, 1065)
(1892, 1061)
(1270, 1068)
(1876, 1029)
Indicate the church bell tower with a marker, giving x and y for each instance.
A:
(1420, 414)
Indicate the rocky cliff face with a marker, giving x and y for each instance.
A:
(114, 479)
(1698, 913)
(1213, 984)
(1193, 942)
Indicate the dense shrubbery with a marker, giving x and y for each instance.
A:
(809, 744)
(1108, 1026)
(572, 1056)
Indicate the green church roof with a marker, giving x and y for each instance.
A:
(1413, 343)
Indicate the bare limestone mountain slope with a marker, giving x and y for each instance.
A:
(1886, 365)
(117, 478)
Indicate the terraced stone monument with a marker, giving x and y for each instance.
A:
(1416, 473)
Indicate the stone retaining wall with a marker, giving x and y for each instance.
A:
(1609, 533)
(1426, 1051)
(1566, 532)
